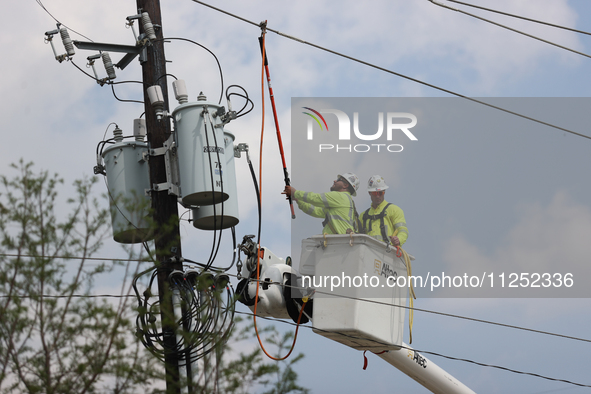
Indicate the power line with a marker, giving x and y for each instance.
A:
(520, 17)
(509, 28)
(343, 296)
(398, 74)
(55, 19)
(460, 317)
(498, 367)
(505, 325)
(211, 53)
(437, 354)
(73, 257)
(123, 100)
(351, 336)
(69, 296)
(326, 293)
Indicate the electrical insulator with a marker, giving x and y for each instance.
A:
(108, 65)
(118, 134)
(139, 129)
(180, 91)
(157, 100)
(148, 26)
(67, 41)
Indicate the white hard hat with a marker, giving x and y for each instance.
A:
(353, 181)
(376, 184)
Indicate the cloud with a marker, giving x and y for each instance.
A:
(546, 239)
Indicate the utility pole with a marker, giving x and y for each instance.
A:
(165, 208)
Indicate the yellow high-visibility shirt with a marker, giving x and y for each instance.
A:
(393, 221)
(337, 207)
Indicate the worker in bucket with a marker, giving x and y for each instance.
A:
(383, 220)
(336, 206)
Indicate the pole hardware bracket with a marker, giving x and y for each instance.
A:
(130, 51)
(241, 147)
(169, 151)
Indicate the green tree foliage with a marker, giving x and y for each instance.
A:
(58, 336)
(54, 336)
(251, 371)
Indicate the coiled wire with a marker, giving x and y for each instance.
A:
(205, 302)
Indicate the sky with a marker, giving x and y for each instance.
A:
(479, 188)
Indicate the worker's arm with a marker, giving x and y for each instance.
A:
(310, 209)
(301, 198)
(324, 200)
(398, 222)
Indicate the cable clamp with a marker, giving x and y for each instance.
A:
(242, 147)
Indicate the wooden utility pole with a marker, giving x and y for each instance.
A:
(165, 208)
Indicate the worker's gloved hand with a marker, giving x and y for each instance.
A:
(289, 191)
(394, 240)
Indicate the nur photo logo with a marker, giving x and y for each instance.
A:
(396, 124)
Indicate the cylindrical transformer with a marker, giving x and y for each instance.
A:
(128, 179)
(223, 215)
(201, 153)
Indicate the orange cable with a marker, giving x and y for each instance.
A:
(256, 299)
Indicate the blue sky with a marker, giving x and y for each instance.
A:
(515, 197)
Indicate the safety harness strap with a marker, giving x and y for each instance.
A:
(380, 216)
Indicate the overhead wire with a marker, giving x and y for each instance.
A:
(69, 295)
(520, 17)
(497, 367)
(123, 100)
(310, 327)
(101, 82)
(72, 257)
(244, 96)
(430, 352)
(55, 19)
(462, 317)
(433, 86)
(403, 76)
(212, 54)
(84, 72)
(445, 314)
(509, 28)
(448, 91)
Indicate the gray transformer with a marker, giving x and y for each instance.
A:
(128, 179)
